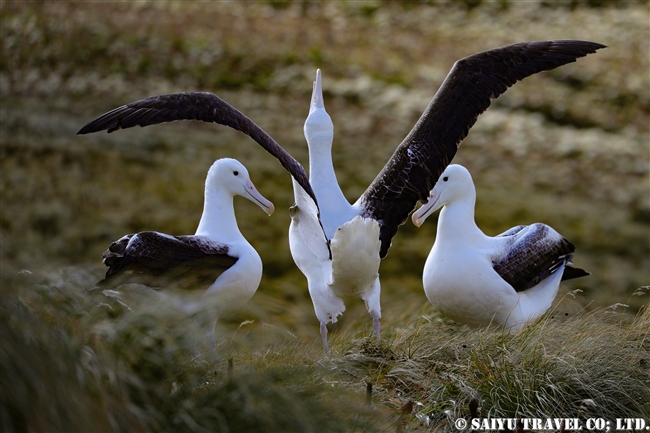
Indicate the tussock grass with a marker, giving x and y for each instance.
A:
(591, 365)
(74, 361)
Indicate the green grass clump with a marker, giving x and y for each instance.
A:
(72, 361)
(592, 365)
(76, 361)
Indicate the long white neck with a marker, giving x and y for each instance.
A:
(456, 222)
(218, 219)
(321, 172)
(335, 208)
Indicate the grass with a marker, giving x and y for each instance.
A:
(75, 361)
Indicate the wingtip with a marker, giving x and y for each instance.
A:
(91, 127)
(589, 46)
(596, 46)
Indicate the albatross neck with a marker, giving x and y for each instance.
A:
(322, 176)
(218, 219)
(457, 224)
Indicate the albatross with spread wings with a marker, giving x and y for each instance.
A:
(360, 234)
(407, 177)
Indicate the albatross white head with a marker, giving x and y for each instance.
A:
(318, 128)
(227, 178)
(455, 184)
(335, 209)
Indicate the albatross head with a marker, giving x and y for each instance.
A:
(318, 129)
(233, 176)
(455, 183)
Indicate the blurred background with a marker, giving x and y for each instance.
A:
(569, 147)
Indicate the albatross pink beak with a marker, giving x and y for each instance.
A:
(253, 195)
(427, 209)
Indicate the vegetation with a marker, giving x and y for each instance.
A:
(568, 148)
(74, 361)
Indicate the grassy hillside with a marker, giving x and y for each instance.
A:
(568, 148)
(72, 361)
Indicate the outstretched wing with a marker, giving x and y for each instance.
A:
(466, 93)
(203, 106)
(533, 254)
(154, 258)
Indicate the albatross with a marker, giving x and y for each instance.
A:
(359, 235)
(217, 267)
(508, 280)
(405, 180)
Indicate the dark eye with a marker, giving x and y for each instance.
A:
(445, 179)
(236, 173)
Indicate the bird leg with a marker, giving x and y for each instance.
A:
(377, 326)
(323, 333)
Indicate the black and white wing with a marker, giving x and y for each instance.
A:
(153, 258)
(466, 92)
(512, 231)
(533, 254)
(202, 106)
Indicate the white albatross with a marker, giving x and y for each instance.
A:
(217, 268)
(359, 234)
(407, 177)
(508, 280)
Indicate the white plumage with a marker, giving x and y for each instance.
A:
(350, 266)
(467, 91)
(479, 280)
(217, 268)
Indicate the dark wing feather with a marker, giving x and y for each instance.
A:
(570, 273)
(201, 106)
(534, 255)
(432, 143)
(153, 258)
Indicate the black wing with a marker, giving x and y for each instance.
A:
(534, 255)
(203, 106)
(154, 258)
(466, 93)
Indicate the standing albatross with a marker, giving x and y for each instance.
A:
(216, 266)
(360, 234)
(408, 176)
(508, 280)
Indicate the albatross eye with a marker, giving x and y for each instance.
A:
(236, 173)
(445, 179)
